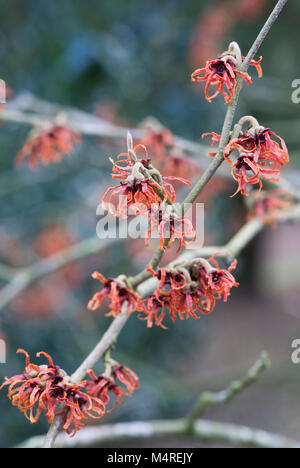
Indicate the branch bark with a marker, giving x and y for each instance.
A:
(208, 431)
(82, 122)
(207, 399)
(22, 279)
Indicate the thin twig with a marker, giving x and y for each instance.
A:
(207, 399)
(86, 124)
(24, 278)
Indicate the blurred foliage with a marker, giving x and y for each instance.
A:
(135, 55)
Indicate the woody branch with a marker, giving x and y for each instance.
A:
(207, 431)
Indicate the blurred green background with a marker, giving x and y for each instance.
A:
(128, 60)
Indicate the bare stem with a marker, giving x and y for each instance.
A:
(82, 122)
(207, 399)
(208, 431)
(24, 278)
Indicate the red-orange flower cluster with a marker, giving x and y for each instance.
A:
(48, 388)
(102, 386)
(260, 143)
(159, 141)
(186, 291)
(270, 206)
(170, 226)
(144, 191)
(39, 300)
(260, 157)
(167, 160)
(141, 185)
(48, 146)
(222, 73)
(118, 293)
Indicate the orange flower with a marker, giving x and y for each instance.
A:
(215, 139)
(48, 146)
(181, 167)
(141, 185)
(222, 73)
(39, 300)
(259, 143)
(260, 156)
(170, 226)
(154, 310)
(248, 171)
(270, 206)
(154, 307)
(159, 140)
(187, 290)
(48, 388)
(181, 303)
(79, 406)
(26, 390)
(218, 281)
(103, 385)
(167, 278)
(118, 293)
(162, 144)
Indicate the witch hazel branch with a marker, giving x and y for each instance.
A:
(190, 287)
